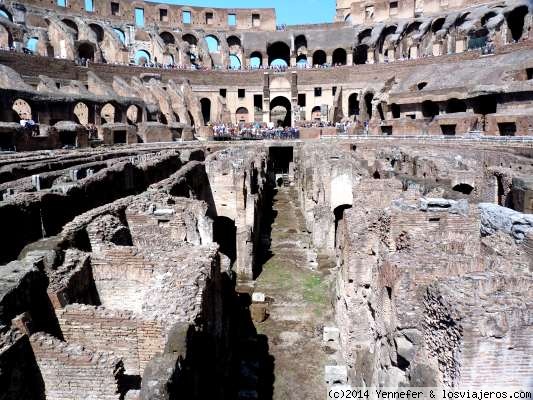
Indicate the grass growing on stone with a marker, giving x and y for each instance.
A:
(315, 291)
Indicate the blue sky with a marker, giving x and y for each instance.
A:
(287, 11)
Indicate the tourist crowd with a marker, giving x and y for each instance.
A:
(255, 131)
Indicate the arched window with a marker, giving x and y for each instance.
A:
(361, 54)
(300, 44)
(301, 60)
(234, 41)
(108, 113)
(319, 57)
(86, 51)
(353, 105)
(241, 114)
(256, 59)
(279, 54)
(191, 39)
(98, 32)
(22, 108)
(120, 35)
(213, 44)
(81, 112)
(234, 61)
(5, 14)
(142, 57)
(167, 37)
(339, 57)
(515, 22)
(133, 114)
(316, 113)
(348, 18)
(72, 25)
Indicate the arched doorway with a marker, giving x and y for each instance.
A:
(81, 112)
(142, 57)
(280, 111)
(256, 60)
(108, 113)
(86, 51)
(353, 105)
(339, 57)
(515, 22)
(206, 109)
(72, 25)
(133, 114)
(369, 97)
(319, 58)
(234, 61)
(316, 114)
(279, 52)
(22, 109)
(98, 32)
(213, 44)
(241, 115)
(168, 38)
(361, 54)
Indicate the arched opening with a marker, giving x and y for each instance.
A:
(191, 39)
(213, 44)
(142, 57)
(280, 111)
(108, 113)
(339, 216)
(376, 175)
(361, 54)
(22, 109)
(437, 25)
(86, 51)
(225, 234)
(455, 106)
(98, 32)
(368, 105)
(316, 113)
(421, 85)
(133, 114)
(300, 44)
(6, 39)
(241, 115)
(206, 109)
(256, 59)
(395, 110)
(348, 18)
(353, 105)
(463, 188)
(121, 36)
(6, 14)
(234, 41)
(339, 57)
(72, 25)
(234, 61)
(364, 35)
(319, 58)
(168, 38)
(478, 39)
(32, 44)
(301, 60)
(81, 114)
(429, 109)
(279, 54)
(487, 17)
(515, 22)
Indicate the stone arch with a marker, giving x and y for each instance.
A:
(256, 59)
(205, 104)
(348, 18)
(300, 44)
(280, 111)
(109, 113)
(22, 109)
(213, 44)
(86, 50)
(82, 114)
(364, 35)
(515, 22)
(133, 114)
(167, 37)
(120, 34)
(98, 32)
(301, 60)
(319, 57)
(353, 105)
(72, 25)
(233, 41)
(241, 115)
(485, 18)
(279, 53)
(339, 57)
(234, 61)
(316, 113)
(142, 57)
(338, 213)
(6, 14)
(190, 38)
(437, 24)
(455, 106)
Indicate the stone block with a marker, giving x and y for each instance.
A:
(331, 334)
(258, 297)
(336, 374)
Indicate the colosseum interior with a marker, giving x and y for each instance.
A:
(200, 203)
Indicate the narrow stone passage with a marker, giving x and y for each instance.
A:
(300, 305)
